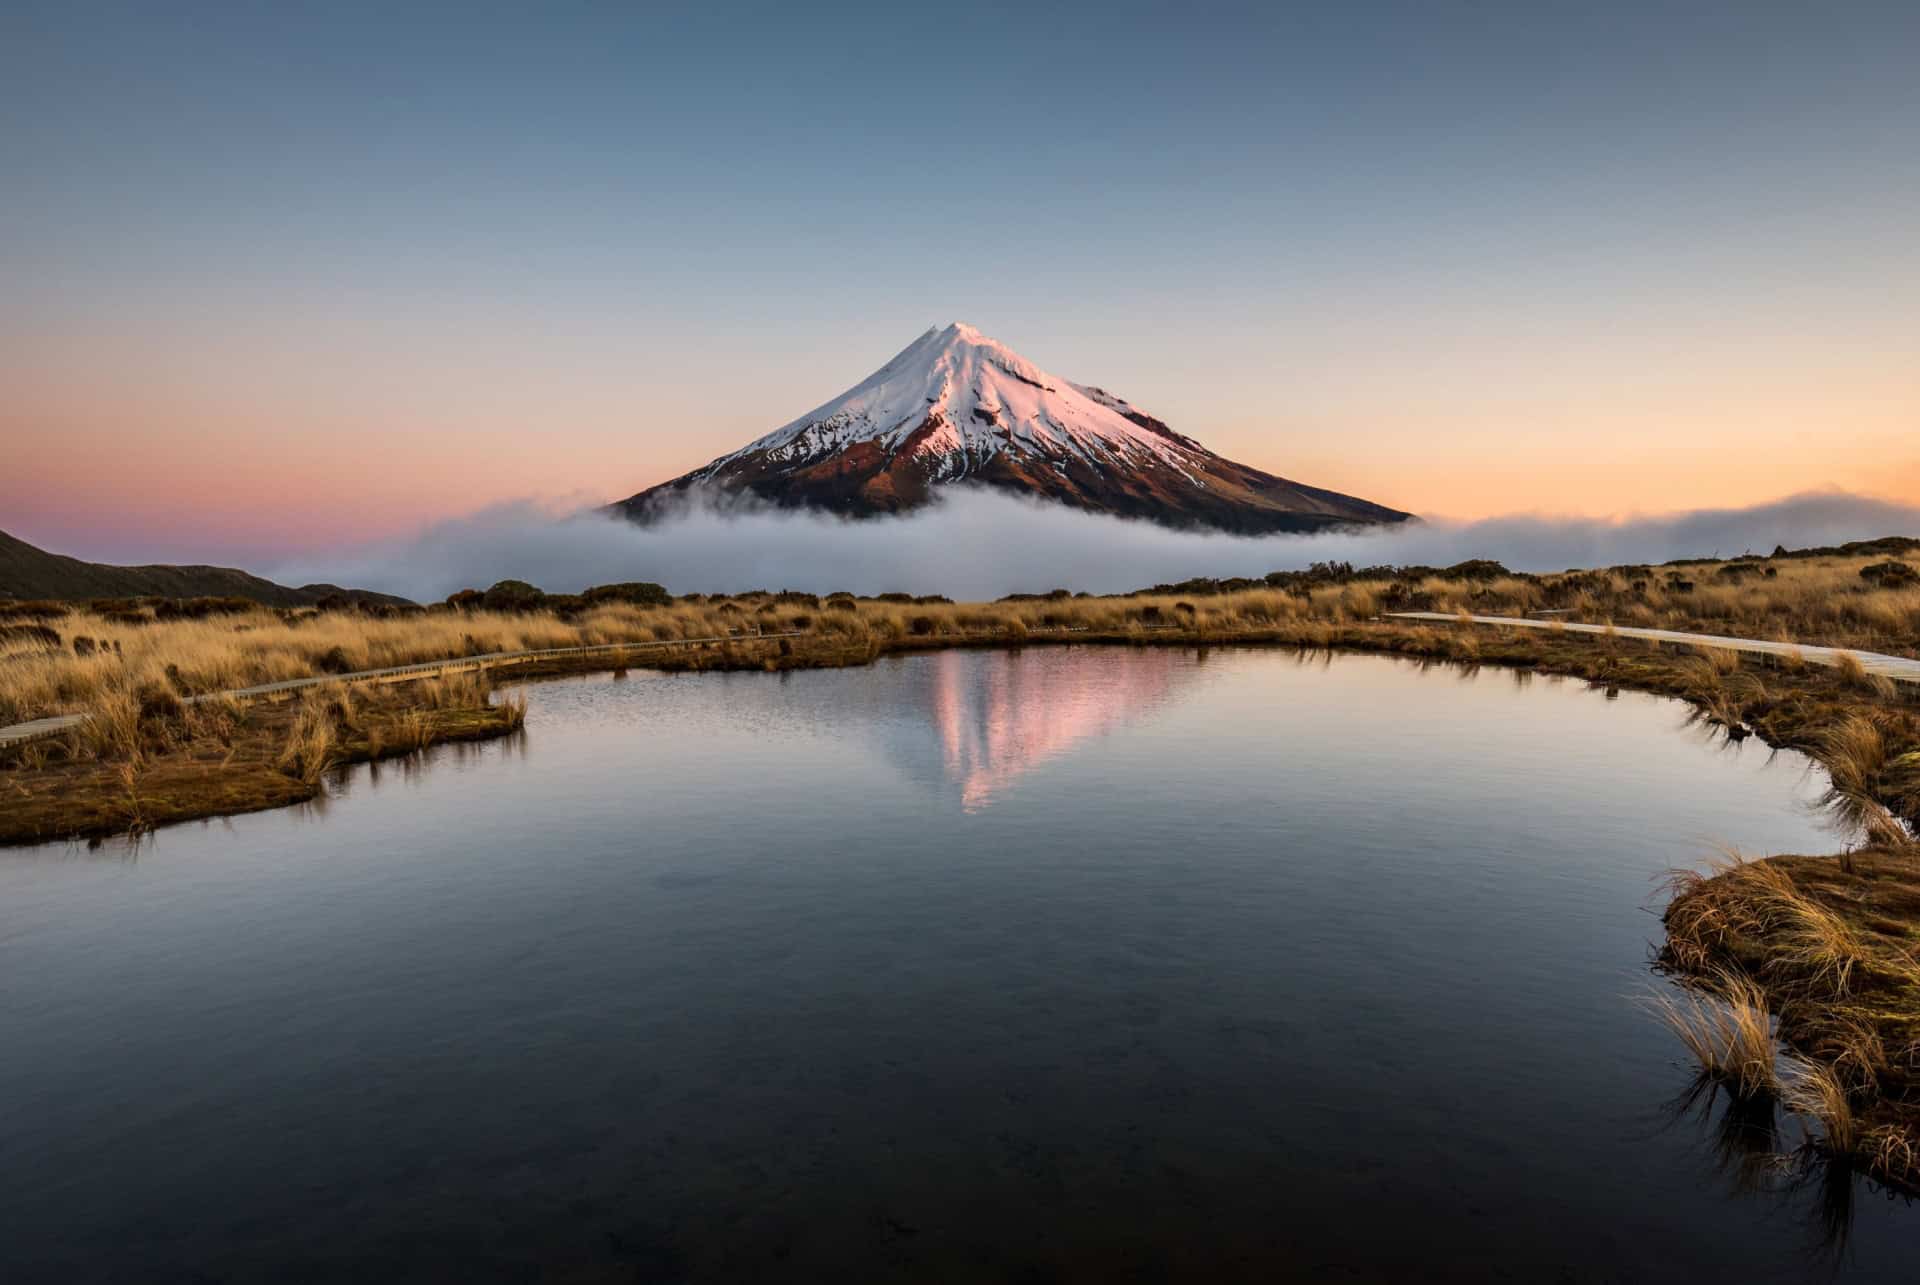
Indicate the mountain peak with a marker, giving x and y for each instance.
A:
(957, 407)
(955, 336)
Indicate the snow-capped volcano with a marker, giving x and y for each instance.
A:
(955, 407)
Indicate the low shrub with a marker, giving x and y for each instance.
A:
(512, 595)
(200, 608)
(637, 593)
(334, 660)
(1890, 575)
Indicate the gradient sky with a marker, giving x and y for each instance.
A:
(280, 277)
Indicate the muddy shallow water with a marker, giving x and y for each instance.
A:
(1089, 964)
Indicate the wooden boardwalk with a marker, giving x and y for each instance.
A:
(1897, 668)
(41, 728)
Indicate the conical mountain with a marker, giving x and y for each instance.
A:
(956, 408)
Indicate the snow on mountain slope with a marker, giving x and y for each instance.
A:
(955, 406)
(982, 397)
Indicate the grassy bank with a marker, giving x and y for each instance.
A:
(57, 659)
(1829, 946)
(168, 761)
(1826, 946)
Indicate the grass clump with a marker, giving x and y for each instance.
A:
(1723, 1022)
(1832, 953)
(1862, 773)
(1817, 1092)
(324, 719)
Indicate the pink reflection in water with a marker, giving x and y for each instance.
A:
(1000, 720)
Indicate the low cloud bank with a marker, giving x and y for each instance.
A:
(983, 544)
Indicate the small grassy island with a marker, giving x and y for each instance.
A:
(1829, 946)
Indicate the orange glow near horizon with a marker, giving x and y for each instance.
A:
(114, 450)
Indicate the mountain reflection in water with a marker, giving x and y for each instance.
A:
(1000, 716)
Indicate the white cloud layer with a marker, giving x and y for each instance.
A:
(983, 544)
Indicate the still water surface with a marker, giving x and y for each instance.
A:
(1078, 964)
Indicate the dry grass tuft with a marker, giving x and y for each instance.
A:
(1892, 1152)
(1816, 949)
(1855, 1051)
(1854, 751)
(113, 731)
(310, 746)
(412, 730)
(1827, 949)
(1723, 1022)
(1720, 660)
(464, 690)
(1816, 1092)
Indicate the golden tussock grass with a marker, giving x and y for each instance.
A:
(1855, 752)
(1851, 671)
(1830, 949)
(1722, 1020)
(1816, 1092)
(173, 761)
(1815, 950)
(218, 653)
(1820, 600)
(1890, 1149)
(1720, 660)
(411, 730)
(117, 678)
(323, 719)
(1854, 674)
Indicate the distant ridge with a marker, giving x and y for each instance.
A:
(955, 408)
(28, 573)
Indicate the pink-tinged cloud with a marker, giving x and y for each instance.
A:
(980, 544)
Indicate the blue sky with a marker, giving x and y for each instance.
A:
(1437, 254)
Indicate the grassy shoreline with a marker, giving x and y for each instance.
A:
(154, 760)
(1829, 945)
(214, 759)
